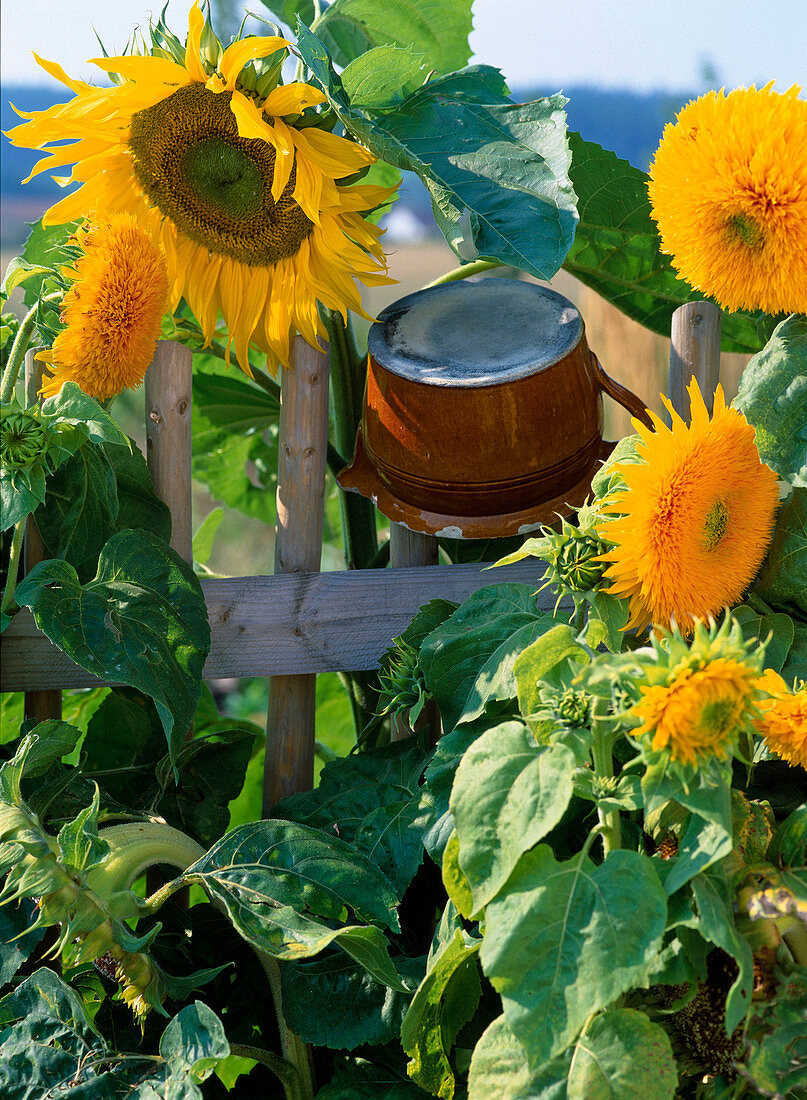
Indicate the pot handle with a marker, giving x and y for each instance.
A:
(622, 396)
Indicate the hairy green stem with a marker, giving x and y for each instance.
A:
(285, 1071)
(13, 565)
(294, 1049)
(604, 768)
(16, 356)
(465, 271)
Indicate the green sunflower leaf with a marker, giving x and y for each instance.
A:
(773, 396)
(468, 660)
(383, 76)
(235, 427)
(620, 1054)
(444, 1002)
(435, 30)
(284, 886)
(508, 794)
(564, 940)
(497, 172)
(782, 581)
(617, 249)
(141, 621)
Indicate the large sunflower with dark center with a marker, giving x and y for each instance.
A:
(249, 210)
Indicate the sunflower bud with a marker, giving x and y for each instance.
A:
(569, 708)
(23, 439)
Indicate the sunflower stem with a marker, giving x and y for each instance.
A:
(17, 354)
(295, 1051)
(13, 565)
(286, 1072)
(603, 760)
(347, 380)
(464, 271)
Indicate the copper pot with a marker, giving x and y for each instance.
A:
(483, 410)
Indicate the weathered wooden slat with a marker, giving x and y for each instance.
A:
(301, 466)
(283, 625)
(694, 350)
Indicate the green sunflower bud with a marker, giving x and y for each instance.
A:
(403, 687)
(23, 439)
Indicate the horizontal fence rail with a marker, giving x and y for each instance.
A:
(284, 625)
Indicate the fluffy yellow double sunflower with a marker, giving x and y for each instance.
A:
(112, 311)
(728, 189)
(784, 718)
(694, 518)
(248, 200)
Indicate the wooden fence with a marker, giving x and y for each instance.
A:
(298, 622)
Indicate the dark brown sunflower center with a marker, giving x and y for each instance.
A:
(744, 229)
(714, 528)
(215, 186)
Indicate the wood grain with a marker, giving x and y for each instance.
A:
(694, 350)
(168, 436)
(300, 623)
(302, 461)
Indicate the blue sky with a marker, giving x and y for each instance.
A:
(640, 44)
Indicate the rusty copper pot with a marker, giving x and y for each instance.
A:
(483, 410)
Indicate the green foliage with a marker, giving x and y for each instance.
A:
(553, 973)
(48, 1046)
(281, 882)
(235, 428)
(468, 660)
(773, 396)
(445, 1001)
(374, 802)
(507, 795)
(141, 621)
(332, 1001)
(620, 1055)
(497, 172)
(782, 581)
(437, 32)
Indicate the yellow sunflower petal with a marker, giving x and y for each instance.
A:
(333, 155)
(58, 73)
(237, 54)
(160, 70)
(292, 99)
(193, 58)
(251, 123)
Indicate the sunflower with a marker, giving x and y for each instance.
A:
(694, 518)
(728, 189)
(112, 312)
(784, 719)
(228, 170)
(697, 695)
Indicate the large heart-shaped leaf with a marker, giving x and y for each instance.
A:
(566, 939)
(81, 509)
(497, 172)
(773, 396)
(285, 885)
(142, 621)
(432, 28)
(617, 249)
